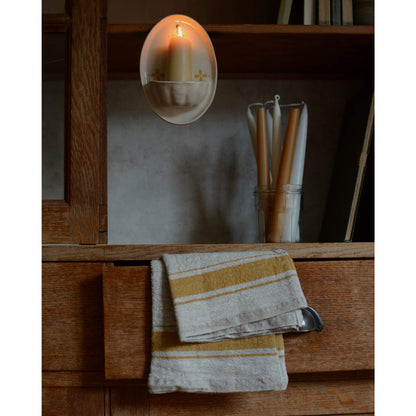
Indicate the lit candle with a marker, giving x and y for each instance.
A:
(179, 63)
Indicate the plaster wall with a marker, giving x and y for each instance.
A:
(194, 183)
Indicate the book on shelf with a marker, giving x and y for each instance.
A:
(324, 12)
(284, 12)
(349, 171)
(347, 12)
(336, 12)
(309, 12)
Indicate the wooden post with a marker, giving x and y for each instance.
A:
(87, 160)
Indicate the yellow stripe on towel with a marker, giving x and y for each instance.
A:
(172, 357)
(229, 276)
(208, 296)
(163, 341)
(222, 263)
(166, 345)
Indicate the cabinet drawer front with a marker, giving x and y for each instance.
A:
(341, 291)
(72, 322)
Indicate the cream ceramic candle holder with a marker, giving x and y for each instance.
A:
(186, 98)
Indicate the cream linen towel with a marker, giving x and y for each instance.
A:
(249, 364)
(232, 295)
(216, 297)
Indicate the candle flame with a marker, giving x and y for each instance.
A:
(179, 30)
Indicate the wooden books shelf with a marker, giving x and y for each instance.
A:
(263, 51)
(259, 51)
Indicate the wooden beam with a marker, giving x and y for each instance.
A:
(147, 252)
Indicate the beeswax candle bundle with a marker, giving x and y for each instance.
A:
(280, 166)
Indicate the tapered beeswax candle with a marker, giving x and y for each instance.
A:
(276, 140)
(298, 165)
(263, 175)
(283, 177)
(263, 170)
(179, 61)
(251, 121)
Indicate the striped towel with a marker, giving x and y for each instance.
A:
(203, 302)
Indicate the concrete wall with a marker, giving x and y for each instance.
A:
(194, 183)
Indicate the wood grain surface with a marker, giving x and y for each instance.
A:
(55, 222)
(301, 398)
(72, 317)
(327, 371)
(62, 401)
(82, 217)
(85, 120)
(154, 251)
(126, 294)
(341, 291)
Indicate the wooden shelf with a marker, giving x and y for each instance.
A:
(147, 252)
(263, 51)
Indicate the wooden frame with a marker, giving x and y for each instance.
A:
(82, 216)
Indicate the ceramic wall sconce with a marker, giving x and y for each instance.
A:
(178, 69)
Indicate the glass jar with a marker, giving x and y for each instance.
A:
(279, 213)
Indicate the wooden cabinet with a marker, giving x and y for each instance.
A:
(97, 323)
(96, 297)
